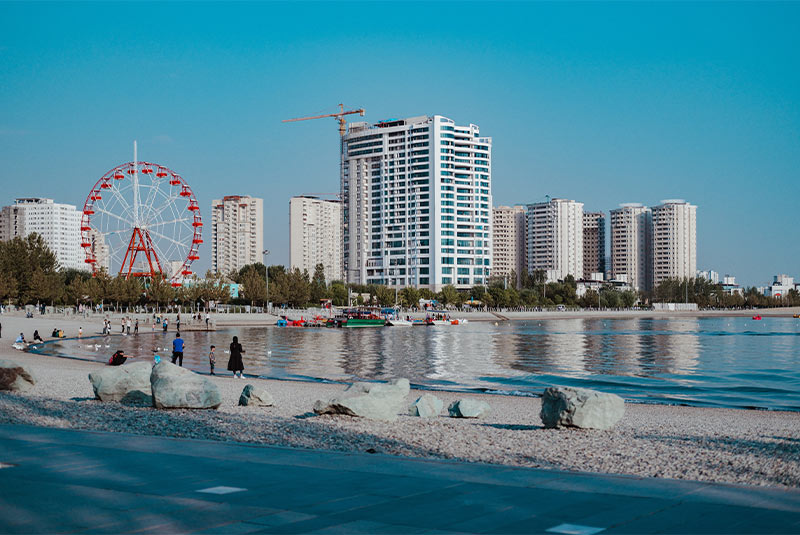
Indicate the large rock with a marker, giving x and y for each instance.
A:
(426, 406)
(580, 407)
(15, 376)
(175, 387)
(468, 408)
(376, 401)
(256, 396)
(129, 382)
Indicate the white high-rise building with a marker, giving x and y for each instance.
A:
(417, 198)
(674, 240)
(631, 242)
(508, 241)
(315, 235)
(58, 224)
(554, 238)
(237, 232)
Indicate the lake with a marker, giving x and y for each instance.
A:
(721, 362)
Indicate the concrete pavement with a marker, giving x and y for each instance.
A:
(67, 481)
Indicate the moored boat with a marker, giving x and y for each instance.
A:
(757, 317)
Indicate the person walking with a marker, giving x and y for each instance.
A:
(178, 322)
(128, 325)
(177, 349)
(165, 324)
(207, 318)
(212, 359)
(80, 332)
(136, 327)
(235, 363)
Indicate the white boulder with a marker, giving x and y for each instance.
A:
(468, 408)
(426, 406)
(256, 396)
(15, 377)
(580, 407)
(175, 387)
(376, 401)
(129, 382)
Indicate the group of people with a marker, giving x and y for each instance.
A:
(235, 363)
(36, 337)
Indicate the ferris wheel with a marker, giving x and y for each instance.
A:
(141, 219)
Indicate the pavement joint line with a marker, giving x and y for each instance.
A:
(574, 529)
(221, 490)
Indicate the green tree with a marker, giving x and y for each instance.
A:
(254, 286)
(409, 297)
(20, 259)
(8, 286)
(449, 296)
(319, 289)
(159, 291)
(384, 296)
(45, 286)
(298, 288)
(338, 293)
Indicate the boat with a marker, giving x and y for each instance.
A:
(757, 317)
(398, 323)
(358, 318)
(427, 322)
(796, 315)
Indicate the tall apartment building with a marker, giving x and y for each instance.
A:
(508, 241)
(237, 232)
(631, 247)
(554, 238)
(417, 197)
(58, 224)
(594, 243)
(674, 240)
(315, 235)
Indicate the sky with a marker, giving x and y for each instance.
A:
(604, 103)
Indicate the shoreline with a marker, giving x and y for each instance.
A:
(261, 318)
(744, 446)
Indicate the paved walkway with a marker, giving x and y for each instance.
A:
(54, 480)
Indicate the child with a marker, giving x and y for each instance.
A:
(80, 332)
(212, 359)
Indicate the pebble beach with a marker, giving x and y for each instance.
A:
(702, 444)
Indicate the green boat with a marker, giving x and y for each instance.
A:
(364, 322)
(356, 318)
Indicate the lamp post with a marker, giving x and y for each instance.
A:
(265, 252)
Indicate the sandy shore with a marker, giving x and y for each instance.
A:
(724, 445)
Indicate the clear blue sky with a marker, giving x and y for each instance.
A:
(602, 103)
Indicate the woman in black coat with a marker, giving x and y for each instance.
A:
(235, 363)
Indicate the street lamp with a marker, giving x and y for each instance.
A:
(265, 252)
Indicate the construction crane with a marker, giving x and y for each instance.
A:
(339, 117)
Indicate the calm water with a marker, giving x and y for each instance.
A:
(726, 362)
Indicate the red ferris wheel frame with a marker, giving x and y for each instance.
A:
(140, 241)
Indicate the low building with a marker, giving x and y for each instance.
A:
(730, 287)
(781, 285)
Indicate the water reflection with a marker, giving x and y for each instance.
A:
(723, 361)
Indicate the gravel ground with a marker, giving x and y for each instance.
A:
(723, 445)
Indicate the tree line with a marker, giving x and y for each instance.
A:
(29, 273)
